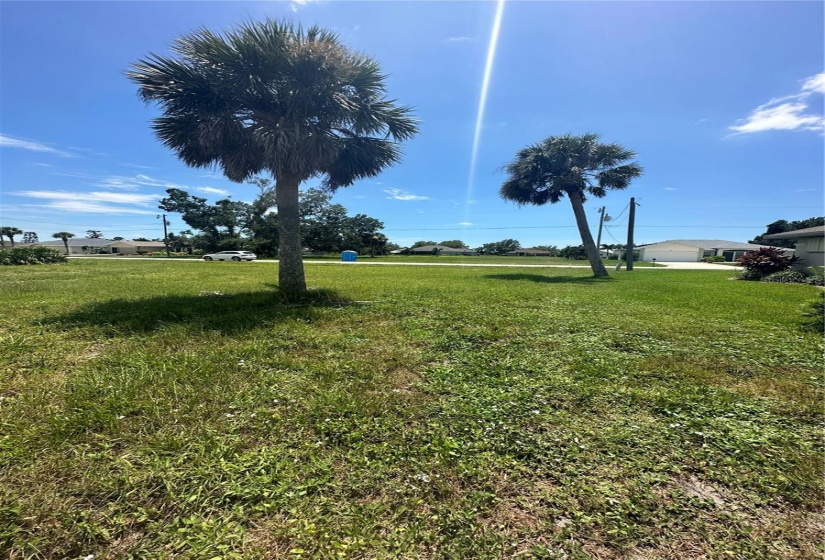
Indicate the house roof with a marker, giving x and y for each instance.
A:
(530, 251)
(137, 243)
(707, 244)
(816, 231)
(76, 242)
(442, 248)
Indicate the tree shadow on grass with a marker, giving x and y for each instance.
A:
(207, 311)
(541, 279)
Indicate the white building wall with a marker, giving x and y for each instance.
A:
(670, 252)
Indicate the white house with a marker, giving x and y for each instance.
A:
(810, 245)
(84, 246)
(694, 250)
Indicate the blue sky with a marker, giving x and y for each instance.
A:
(722, 101)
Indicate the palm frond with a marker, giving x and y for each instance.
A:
(269, 95)
(559, 165)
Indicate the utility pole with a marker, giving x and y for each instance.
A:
(165, 235)
(602, 219)
(628, 254)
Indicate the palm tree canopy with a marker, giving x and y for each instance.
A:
(555, 167)
(268, 96)
(64, 235)
(10, 231)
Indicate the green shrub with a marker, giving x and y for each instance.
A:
(750, 275)
(764, 261)
(787, 277)
(814, 314)
(816, 276)
(30, 255)
(714, 259)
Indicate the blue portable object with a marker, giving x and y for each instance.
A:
(349, 256)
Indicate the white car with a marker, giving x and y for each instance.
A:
(231, 256)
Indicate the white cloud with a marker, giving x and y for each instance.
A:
(787, 116)
(137, 166)
(297, 4)
(786, 113)
(398, 194)
(81, 206)
(465, 223)
(99, 196)
(10, 142)
(815, 83)
(670, 189)
(460, 39)
(135, 182)
(212, 190)
(96, 202)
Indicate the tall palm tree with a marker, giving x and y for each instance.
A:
(572, 166)
(65, 236)
(270, 97)
(10, 232)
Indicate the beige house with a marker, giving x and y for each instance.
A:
(810, 245)
(83, 246)
(694, 250)
(135, 247)
(530, 253)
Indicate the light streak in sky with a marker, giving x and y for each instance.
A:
(482, 103)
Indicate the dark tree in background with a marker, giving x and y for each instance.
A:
(781, 226)
(271, 97)
(499, 247)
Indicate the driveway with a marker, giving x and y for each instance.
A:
(696, 266)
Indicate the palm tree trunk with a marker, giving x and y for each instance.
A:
(587, 239)
(11, 238)
(291, 266)
(66, 244)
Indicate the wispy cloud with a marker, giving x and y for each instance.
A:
(670, 189)
(95, 202)
(786, 113)
(460, 39)
(398, 194)
(465, 223)
(298, 4)
(135, 182)
(815, 83)
(11, 142)
(211, 190)
(137, 166)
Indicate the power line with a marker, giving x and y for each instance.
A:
(561, 227)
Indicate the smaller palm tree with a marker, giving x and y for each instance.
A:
(65, 236)
(10, 232)
(574, 167)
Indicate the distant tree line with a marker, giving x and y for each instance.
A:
(235, 225)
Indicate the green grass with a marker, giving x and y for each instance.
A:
(164, 410)
(477, 259)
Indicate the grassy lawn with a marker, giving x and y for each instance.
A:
(478, 259)
(154, 410)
